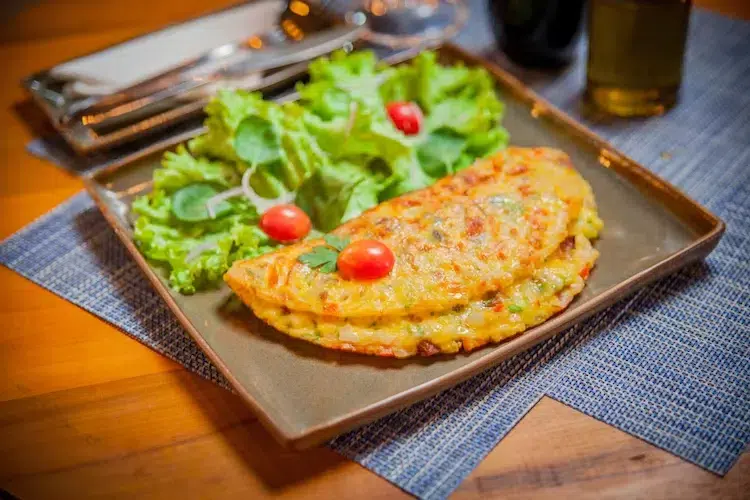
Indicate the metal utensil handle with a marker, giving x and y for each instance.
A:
(260, 60)
(173, 76)
(145, 87)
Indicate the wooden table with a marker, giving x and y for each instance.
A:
(87, 411)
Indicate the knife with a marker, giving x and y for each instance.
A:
(246, 62)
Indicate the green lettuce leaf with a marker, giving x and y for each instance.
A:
(440, 152)
(365, 135)
(484, 144)
(342, 66)
(436, 83)
(341, 79)
(179, 168)
(167, 241)
(169, 244)
(225, 113)
(336, 193)
(400, 85)
(409, 176)
(285, 162)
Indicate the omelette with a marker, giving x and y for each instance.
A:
(480, 256)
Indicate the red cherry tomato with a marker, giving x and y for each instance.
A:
(365, 260)
(405, 116)
(285, 223)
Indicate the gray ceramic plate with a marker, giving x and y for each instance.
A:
(305, 394)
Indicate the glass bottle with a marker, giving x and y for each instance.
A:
(636, 51)
(538, 33)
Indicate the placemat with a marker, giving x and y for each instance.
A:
(669, 364)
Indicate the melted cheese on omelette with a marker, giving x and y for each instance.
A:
(481, 256)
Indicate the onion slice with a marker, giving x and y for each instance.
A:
(199, 249)
(215, 200)
(261, 204)
(353, 109)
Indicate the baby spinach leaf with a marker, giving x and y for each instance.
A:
(256, 141)
(189, 203)
(440, 151)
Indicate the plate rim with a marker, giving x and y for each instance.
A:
(670, 195)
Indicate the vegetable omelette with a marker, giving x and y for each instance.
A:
(480, 256)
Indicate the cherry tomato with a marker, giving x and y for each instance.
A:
(405, 116)
(285, 223)
(365, 260)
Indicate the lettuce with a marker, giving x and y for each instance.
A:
(364, 134)
(410, 177)
(440, 152)
(225, 113)
(458, 102)
(180, 168)
(295, 156)
(336, 193)
(341, 66)
(167, 241)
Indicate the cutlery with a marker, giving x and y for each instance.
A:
(300, 28)
(255, 62)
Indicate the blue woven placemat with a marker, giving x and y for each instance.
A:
(670, 364)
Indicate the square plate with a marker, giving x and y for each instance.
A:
(305, 394)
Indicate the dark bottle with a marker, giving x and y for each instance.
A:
(538, 33)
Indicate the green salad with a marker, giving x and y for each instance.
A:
(334, 153)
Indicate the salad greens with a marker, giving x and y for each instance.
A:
(334, 150)
(189, 203)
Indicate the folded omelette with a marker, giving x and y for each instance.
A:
(480, 256)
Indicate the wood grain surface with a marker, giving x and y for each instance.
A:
(85, 411)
